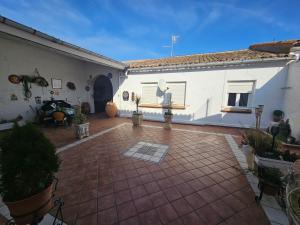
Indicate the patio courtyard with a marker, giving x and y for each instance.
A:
(196, 180)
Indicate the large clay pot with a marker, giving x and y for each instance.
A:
(137, 119)
(111, 109)
(31, 209)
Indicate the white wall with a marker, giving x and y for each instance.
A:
(20, 57)
(209, 85)
(292, 97)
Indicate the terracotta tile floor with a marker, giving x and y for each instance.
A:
(198, 181)
(61, 136)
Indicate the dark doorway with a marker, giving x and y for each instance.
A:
(103, 92)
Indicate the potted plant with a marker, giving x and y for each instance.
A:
(270, 180)
(81, 126)
(284, 130)
(278, 115)
(267, 152)
(168, 115)
(137, 117)
(27, 166)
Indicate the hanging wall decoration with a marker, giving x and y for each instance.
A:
(56, 83)
(38, 100)
(15, 79)
(13, 97)
(87, 88)
(27, 80)
(125, 95)
(71, 86)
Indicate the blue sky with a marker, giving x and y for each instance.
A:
(137, 29)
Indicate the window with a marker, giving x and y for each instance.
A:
(149, 95)
(152, 96)
(239, 93)
(177, 91)
(231, 99)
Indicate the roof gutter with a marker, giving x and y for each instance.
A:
(13, 28)
(206, 65)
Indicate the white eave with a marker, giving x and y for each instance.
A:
(18, 30)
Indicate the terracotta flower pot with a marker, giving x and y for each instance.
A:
(111, 109)
(270, 190)
(31, 209)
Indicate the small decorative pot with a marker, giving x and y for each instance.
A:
(168, 121)
(111, 109)
(137, 119)
(31, 209)
(82, 130)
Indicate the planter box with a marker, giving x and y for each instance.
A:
(82, 130)
(284, 166)
(7, 126)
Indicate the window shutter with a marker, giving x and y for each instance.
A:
(240, 87)
(149, 94)
(178, 92)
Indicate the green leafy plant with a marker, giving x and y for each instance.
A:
(137, 103)
(27, 163)
(271, 175)
(169, 106)
(278, 115)
(284, 130)
(79, 117)
(262, 143)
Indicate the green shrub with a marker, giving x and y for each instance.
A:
(272, 175)
(27, 163)
(79, 117)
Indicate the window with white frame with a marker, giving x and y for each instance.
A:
(239, 93)
(177, 91)
(151, 94)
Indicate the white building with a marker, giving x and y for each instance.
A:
(214, 88)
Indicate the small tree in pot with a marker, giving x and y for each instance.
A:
(137, 116)
(27, 166)
(168, 114)
(81, 126)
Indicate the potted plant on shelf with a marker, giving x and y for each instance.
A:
(168, 115)
(81, 126)
(137, 116)
(27, 166)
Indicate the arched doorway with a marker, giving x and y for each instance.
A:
(103, 92)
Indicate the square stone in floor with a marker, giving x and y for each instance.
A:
(147, 151)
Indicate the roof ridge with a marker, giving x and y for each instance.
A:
(178, 56)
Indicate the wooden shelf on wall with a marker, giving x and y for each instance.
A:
(158, 106)
(236, 110)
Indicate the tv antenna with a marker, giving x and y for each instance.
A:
(174, 39)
